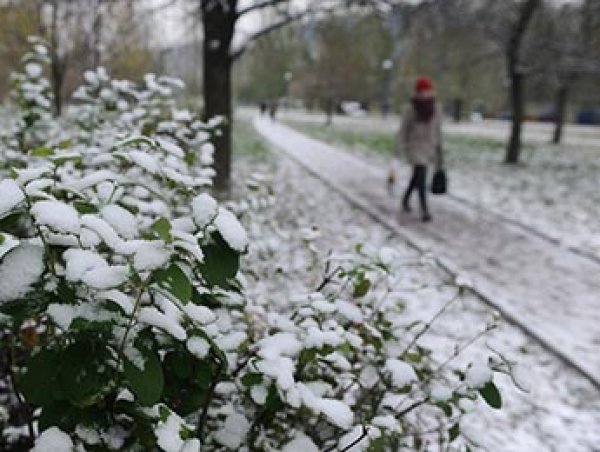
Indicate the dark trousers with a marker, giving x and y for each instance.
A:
(418, 181)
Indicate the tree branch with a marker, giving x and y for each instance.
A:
(287, 19)
(259, 5)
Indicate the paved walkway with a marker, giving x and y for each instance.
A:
(552, 291)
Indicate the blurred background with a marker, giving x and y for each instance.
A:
(347, 56)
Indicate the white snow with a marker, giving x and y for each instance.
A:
(57, 215)
(33, 70)
(167, 434)
(7, 243)
(259, 394)
(62, 314)
(19, 269)
(123, 221)
(79, 261)
(234, 431)
(151, 255)
(402, 373)
(152, 316)
(336, 411)
(199, 314)
(55, 440)
(231, 230)
(318, 338)
(191, 445)
(440, 392)
(280, 369)
(204, 209)
(171, 147)
(11, 196)
(300, 443)
(349, 311)
(107, 233)
(198, 347)
(231, 341)
(369, 376)
(103, 278)
(146, 161)
(477, 375)
(279, 344)
(124, 301)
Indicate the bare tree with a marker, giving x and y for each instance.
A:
(219, 20)
(516, 74)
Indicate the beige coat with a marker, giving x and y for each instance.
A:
(421, 142)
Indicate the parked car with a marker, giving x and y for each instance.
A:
(548, 115)
(589, 116)
(352, 108)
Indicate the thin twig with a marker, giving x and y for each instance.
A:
(428, 325)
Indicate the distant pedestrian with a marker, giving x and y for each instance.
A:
(263, 107)
(420, 138)
(273, 106)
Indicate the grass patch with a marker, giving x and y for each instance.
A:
(246, 142)
(370, 141)
(457, 147)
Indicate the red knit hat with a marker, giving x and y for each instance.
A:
(423, 83)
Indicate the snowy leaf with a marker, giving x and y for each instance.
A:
(163, 228)
(221, 263)
(11, 196)
(174, 281)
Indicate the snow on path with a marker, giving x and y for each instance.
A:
(551, 290)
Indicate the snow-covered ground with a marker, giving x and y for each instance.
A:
(552, 291)
(555, 190)
(561, 410)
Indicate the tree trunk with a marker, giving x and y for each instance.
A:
(560, 108)
(57, 63)
(516, 96)
(219, 24)
(516, 75)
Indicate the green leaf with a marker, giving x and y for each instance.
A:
(163, 228)
(40, 378)
(377, 445)
(204, 374)
(65, 144)
(42, 151)
(2, 239)
(62, 159)
(221, 263)
(362, 287)
(9, 221)
(180, 362)
(454, 432)
(175, 281)
(146, 384)
(84, 374)
(491, 395)
(134, 141)
(252, 379)
(446, 408)
(84, 207)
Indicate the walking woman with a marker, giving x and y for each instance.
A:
(420, 138)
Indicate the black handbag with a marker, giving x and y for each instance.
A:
(439, 183)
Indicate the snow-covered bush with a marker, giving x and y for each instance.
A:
(33, 95)
(126, 322)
